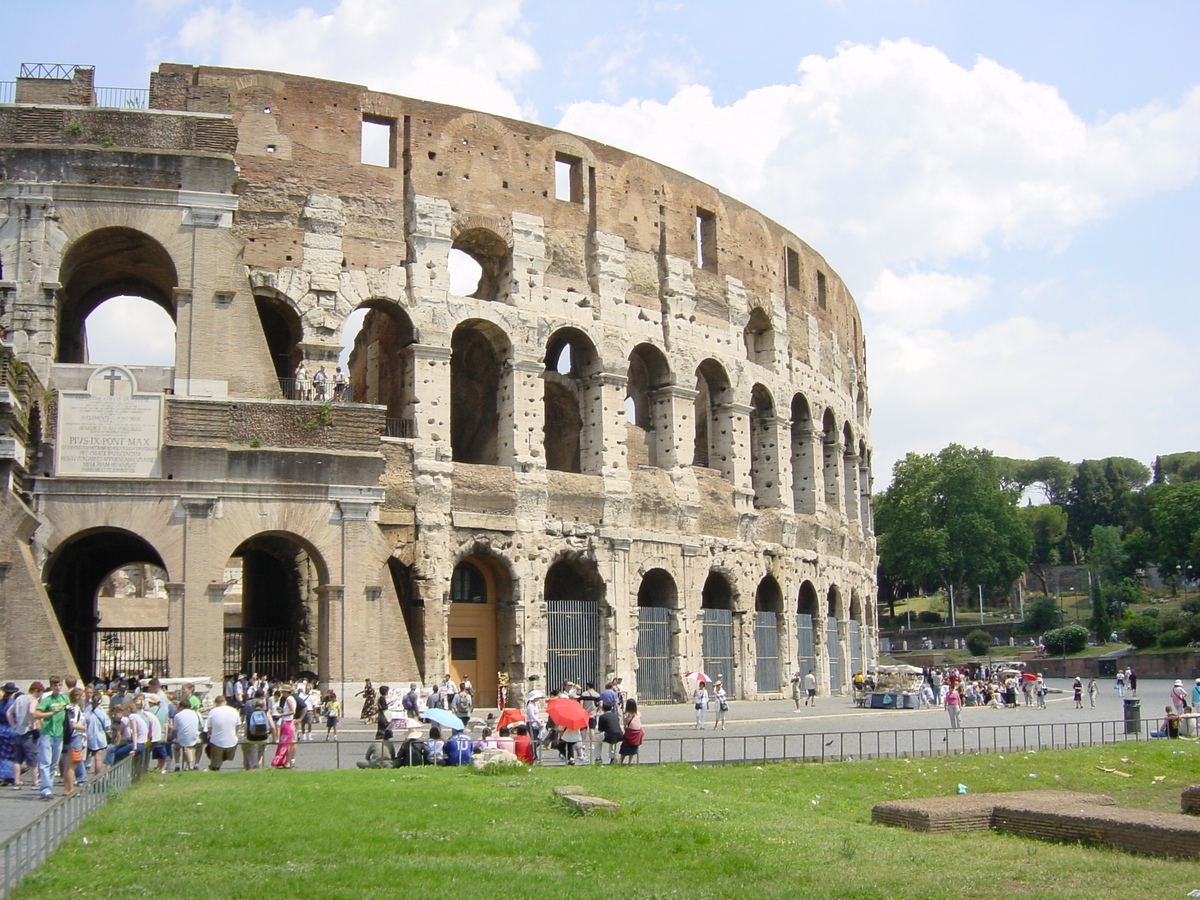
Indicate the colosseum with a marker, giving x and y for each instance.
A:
(635, 442)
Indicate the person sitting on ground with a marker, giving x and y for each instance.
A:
(611, 731)
(457, 750)
(1170, 725)
(522, 746)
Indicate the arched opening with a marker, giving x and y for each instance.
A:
(478, 350)
(849, 473)
(489, 252)
(831, 461)
(570, 402)
(379, 367)
(282, 332)
(858, 662)
(477, 587)
(864, 484)
(833, 639)
(647, 415)
(804, 488)
(574, 592)
(714, 443)
(716, 635)
(106, 629)
(764, 450)
(276, 628)
(100, 266)
(412, 608)
(759, 338)
(768, 619)
(657, 645)
(130, 331)
(807, 636)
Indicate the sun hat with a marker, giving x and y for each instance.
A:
(1178, 683)
(11, 688)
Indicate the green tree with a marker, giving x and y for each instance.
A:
(1041, 616)
(1102, 493)
(1068, 639)
(1049, 474)
(1177, 468)
(1048, 527)
(979, 643)
(1142, 631)
(947, 521)
(1176, 517)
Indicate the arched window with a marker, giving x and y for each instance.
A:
(717, 644)
(571, 431)
(647, 414)
(759, 338)
(490, 254)
(478, 350)
(768, 619)
(657, 650)
(714, 443)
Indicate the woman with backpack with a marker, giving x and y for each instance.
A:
(285, 754)
(464, 704)
(260, 727)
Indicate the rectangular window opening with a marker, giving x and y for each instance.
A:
(378, 146)
(462, 648)
(568, 178)
(822, 300)
(792, 264)
(706, 239)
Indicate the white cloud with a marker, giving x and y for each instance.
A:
(893, 152)
(466, 54)
(920, 299)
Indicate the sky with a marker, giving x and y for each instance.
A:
(1010, 189)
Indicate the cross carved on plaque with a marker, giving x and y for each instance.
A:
(112, 377)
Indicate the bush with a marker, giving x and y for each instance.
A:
(1191, 605)
(929, 617)
(1150, 611)
(1174, 637)
(1070, 639)
(1143, 631)
(1174, 621)
(979, 643)
(1042, 615)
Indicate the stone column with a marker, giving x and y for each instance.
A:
(731, 445)
(431, 397)
(772, 463)
(808, 485)
(850, 468)
(522, 416)
(618, 646)
(331, 639)
(675, 407)
(196, 620)
(832, 456)
(604, 451)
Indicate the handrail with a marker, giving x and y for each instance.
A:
(63, 71)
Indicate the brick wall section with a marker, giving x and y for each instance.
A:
(79, 90)
(117, 128)
(1189, 800)
(273, 424)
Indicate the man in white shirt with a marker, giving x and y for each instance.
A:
(187, 727)
(222, 733)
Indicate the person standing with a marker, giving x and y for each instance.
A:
(1131, 680)
(8, 737)
(186, 728)
(533, 717)
(1179, 696)
(1077, 692)
(954, 707)
(301, 386)
(333, 711)
(722, 701)
(464, 704)
(1093, 689)
(797, 681)
(285, 754)
(49, 716)
(633, 735)
(700, 697)
(368, 695)
(810, 688)
(222, 733)
(1120, 682)
(1196, 695)
(1040, 689)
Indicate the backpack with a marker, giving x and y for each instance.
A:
(410, 701)
(462, 703)
(258, 726)
(300, 705)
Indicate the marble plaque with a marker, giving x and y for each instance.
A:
(110, 429)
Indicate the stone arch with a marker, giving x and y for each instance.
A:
(105, 263)
(850, 472)
(759, 338)
(572, 402)
(380, 368)
(834, 656)
(857, 633)
(831, 460)
(492, 254)
(804, 457)
(575, 597)
(714, 443)
(647, 412)
(718, 645)
(478, 350)
(809, 637)
(764, 449)
(768, 635)
(282, 624)
(283, 331)
(480, 625)
(658, 637)
(73, 575)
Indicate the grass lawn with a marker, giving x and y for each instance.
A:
(783, 830)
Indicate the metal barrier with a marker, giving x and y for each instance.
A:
(28, 848)
(122, 98)
(8, 92)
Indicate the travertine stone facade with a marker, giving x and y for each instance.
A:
(635, 443)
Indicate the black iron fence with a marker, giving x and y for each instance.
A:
(270, 652)
(24, 851)
(131, 651)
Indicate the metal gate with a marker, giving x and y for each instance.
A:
(806, 651)
(573, 630)
(265, 651)
(833, 652)
(717, 645)
(654, 655)
(131, 651)
(857, 663)
(766, 652)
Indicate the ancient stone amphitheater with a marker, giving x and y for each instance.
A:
(635, 442)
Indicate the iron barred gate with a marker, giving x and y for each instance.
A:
(654, 655)
(265, 651)
(573, 632)
(131, 651)
(717, 644)
(806, 651)
(833, 652)
(857, 664)
(766, 652)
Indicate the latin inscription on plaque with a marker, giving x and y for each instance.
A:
(110, 429)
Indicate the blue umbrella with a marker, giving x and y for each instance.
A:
(444, 718)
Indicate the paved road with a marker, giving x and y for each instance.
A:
(834, 728)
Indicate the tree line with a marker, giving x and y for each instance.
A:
(964, 520)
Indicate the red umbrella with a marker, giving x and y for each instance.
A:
(568, 713)
(1028, 676)
(510, 717)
